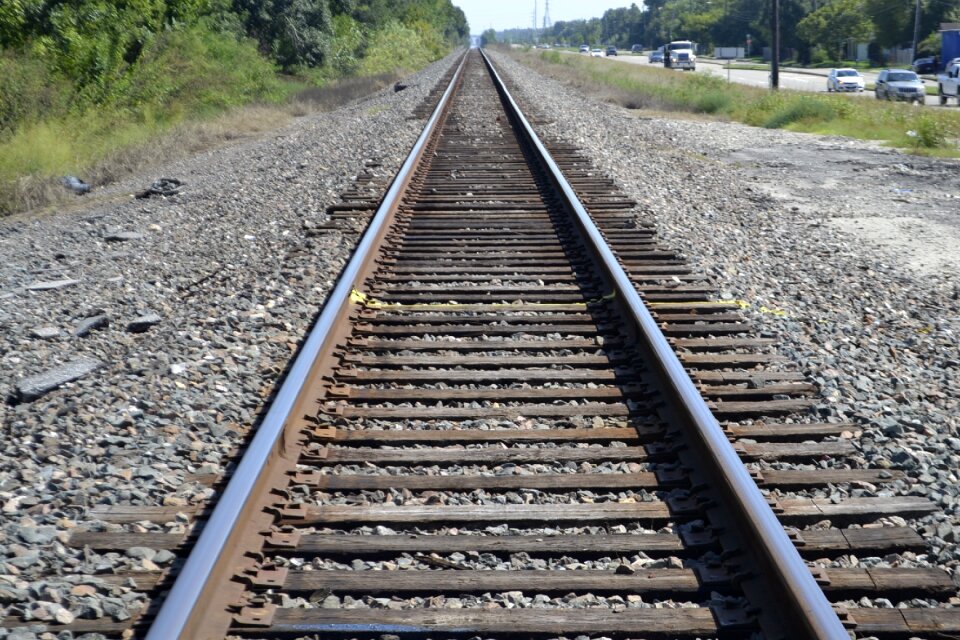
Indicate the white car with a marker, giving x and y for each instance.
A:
(845, 80)
(584, 48)
(597, 53)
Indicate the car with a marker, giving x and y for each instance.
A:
(611, 51)
(597, 53)
(637, 48)
(584, 48)
(926, 65)
(900, 84)
(656, 56)
(845, 80)
(948, 82)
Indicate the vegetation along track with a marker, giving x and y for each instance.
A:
(490, 433)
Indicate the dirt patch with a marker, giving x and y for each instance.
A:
(926, 247)
(907, 205)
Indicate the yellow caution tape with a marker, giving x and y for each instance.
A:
(360, 298)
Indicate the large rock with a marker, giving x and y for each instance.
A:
(123, 236)
(143, 323)
(51, 284)
(88, 325)
(36, 386)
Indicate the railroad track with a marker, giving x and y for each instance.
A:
(505, 425)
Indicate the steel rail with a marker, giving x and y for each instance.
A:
(805, 601)
(178, 607)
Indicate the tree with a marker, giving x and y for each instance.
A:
(488, 37)
(893, 20)
(836, 23)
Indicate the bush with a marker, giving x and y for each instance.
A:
(553, 57)
(28, 91)
(397, 46)
(927, 133)
(708, 93)
(713, 102)
(193, 71)
(802, 108)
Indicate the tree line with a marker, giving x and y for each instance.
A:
(94, 43)
(814, 30)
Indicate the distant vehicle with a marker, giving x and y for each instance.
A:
(584, 48)
(925, 65)
(597, 53)
(656, 56)
(948, 81)
(679, 55)
(845, 80)
(611, 51)
(637, 48)
(900, 84)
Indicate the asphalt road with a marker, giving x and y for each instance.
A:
(814, 80)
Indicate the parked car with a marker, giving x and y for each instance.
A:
(900, 84)
(845, 80)
(656, 56)
(925, 65)
(611, 51)
(948, 82)
(597, 53)
(584, 48)
(637, 48)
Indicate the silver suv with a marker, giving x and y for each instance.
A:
(900, 84)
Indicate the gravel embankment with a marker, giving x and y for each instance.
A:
(768, 214)
(174, 316)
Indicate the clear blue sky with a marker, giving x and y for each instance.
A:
(506, 14)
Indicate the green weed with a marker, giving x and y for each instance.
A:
(801, 109)
(635, 86)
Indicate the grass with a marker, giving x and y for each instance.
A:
(193, 91)
(915, 129)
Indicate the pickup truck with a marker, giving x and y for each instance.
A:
(947, 82)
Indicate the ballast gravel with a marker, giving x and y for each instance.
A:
(140, 339)
(846, 251)
(195, 302)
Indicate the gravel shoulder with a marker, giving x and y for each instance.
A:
(174, 316)
(844, 250)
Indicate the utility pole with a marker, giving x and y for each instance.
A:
(547, 23)
(535, 22)
(775, 53)
(916, 30)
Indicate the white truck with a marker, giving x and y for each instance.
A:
(947, 82)
(679, 55)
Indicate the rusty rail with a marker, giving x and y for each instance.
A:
(807, 607)
(180, 607)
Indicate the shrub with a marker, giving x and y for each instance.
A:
(713, 102)
(553, 57)
(28, 91)
(927, 133)
(397, 46)
(802, 108)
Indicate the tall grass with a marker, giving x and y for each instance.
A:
(192, 88)
(920, 130)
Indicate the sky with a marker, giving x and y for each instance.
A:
(506, 14)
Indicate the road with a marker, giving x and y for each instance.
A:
(808, 80)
